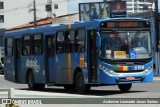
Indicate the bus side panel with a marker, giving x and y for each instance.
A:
(39, 69)
(66, 65)
(75, 63)
(79, 60)
(24, 69)
(36, 65)
(51, 69)
(9, 73)
(60, 68)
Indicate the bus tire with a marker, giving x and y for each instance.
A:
(124, 87)
(81, 87)
(31, 82)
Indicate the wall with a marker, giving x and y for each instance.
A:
(1, 13)
(17, 12)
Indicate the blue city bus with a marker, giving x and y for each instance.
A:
(112, 51)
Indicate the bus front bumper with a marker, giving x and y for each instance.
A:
(124, 78)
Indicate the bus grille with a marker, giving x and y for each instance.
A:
(129, 71)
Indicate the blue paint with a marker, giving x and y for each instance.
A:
(57, 65)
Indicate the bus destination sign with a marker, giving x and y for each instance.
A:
(125, 24)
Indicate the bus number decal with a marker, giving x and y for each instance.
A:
(33, 64)
(140, 67)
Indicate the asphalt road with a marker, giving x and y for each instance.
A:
(140, 90)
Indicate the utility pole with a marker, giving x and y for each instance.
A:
(156, 25)
(34, 13)
(157, 36)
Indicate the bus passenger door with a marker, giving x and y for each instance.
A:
(17, 62)
(92, 57)
(50, 59)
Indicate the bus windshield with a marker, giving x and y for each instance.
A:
(125, 45)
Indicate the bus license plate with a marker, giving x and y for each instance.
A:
(130, 78)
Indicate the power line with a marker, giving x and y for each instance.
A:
(31, 4)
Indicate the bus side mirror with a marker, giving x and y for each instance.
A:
(98, 40)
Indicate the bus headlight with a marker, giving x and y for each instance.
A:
(147, 70)
(111, 71)
(106, 69)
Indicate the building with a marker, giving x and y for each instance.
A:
(1, 27)
(134, 6)
(70, 18)
(1, 13)
(20, 12)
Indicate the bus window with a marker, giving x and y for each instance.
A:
(72, 38)
(60, 42)
(9, 47)
(26, 45)
(50, 46)
(9, 51)
(80, 40)
(38, 44)
(69, 41)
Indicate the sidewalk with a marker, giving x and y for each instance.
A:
(40, 94)
(156, 78)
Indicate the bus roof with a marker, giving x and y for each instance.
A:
(122, 18)
(62, 27)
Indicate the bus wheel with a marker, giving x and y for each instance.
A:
(124, 87)
(80, 85)
(31, 81)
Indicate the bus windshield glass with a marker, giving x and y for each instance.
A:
(125, 45)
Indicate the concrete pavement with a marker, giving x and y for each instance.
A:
(49, 93)
(55, 93)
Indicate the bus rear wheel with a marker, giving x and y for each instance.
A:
(124, 87)
(31, 82)
(81, 87)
